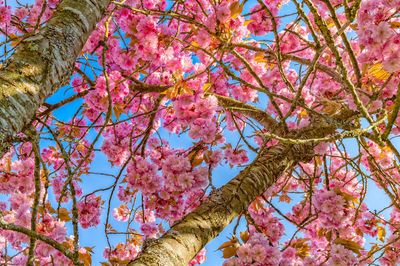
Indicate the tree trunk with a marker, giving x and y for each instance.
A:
(187, 237)
(44, 62)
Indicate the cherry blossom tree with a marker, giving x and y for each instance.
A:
(299, 97)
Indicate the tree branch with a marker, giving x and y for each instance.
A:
(188, 236)
(33, 234)
(42, 63)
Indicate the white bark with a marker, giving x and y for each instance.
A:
(43, 63)
(187, 237)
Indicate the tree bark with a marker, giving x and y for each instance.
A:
(42, 63)
(187, 237)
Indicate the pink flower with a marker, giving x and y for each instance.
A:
(223, 12)
(236, 157)
(122, 252)
(272, 256)
(141, 174)
(5, 15)
(89, 210)
(392, 63)
(149, 229)
(185, 181)
(289, 258)
(149, 216)
(203, 38)
(258, 253)
(382, 32)
(127, 62)
(121, 213)
(199, 258)
(339, 255)
(203, 129)
(244, 254)
(331, 209)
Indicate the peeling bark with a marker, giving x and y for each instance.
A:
(42, 63)
(187, 237)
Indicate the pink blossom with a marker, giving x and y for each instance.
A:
(331, 209)
(199, 258)
(223, 12)
(5, 15)
(382, 32)
(236, 157)
(203, 129)
(89, 210)
(341, 256)
(149, 229)
(121, 213)
(392, 64)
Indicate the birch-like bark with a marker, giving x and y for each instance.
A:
(44, 62)
(187, 237)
